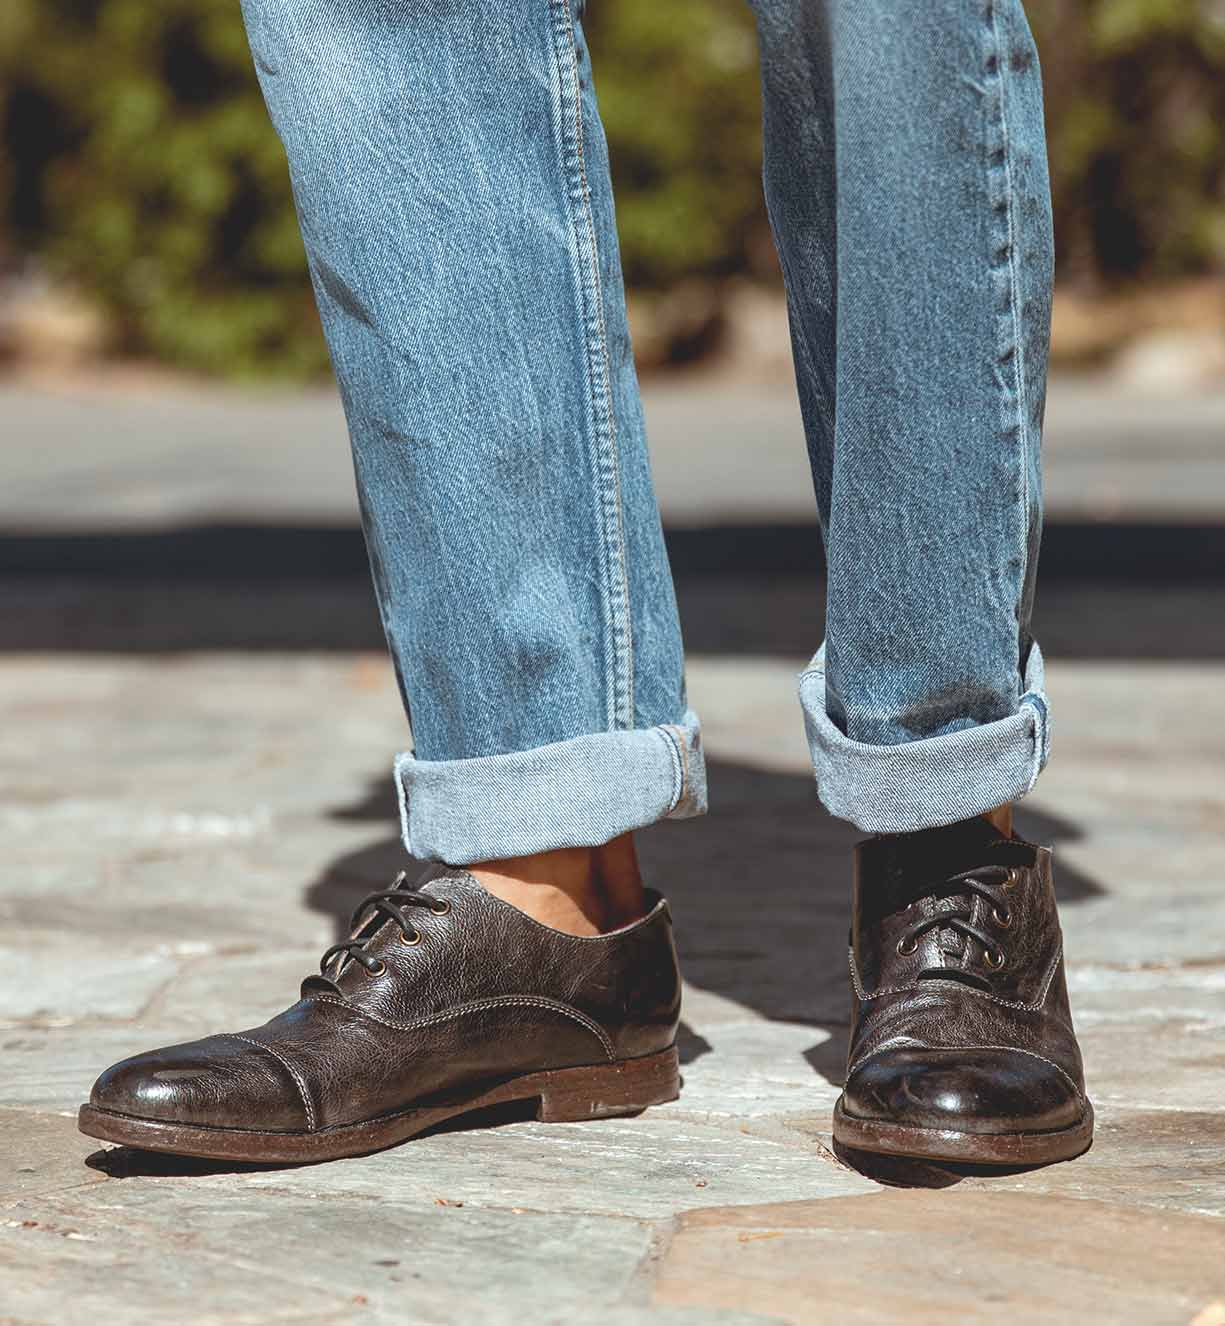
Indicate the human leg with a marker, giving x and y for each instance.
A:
(452, 187)
(906, 179)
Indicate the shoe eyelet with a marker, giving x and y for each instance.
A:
(1014, 878)
(413, 941)
(442, 909)
(378, 970)
(995, 958)
(1002, 917)
(907, 948)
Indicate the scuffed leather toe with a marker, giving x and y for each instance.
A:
(983, 1090)
(221, 1082)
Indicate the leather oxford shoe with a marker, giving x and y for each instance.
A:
(962, 1046)
(444, 1001)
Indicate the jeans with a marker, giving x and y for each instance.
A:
(453, 191)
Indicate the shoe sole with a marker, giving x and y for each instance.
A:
(1019, 1149)
(564, 1095)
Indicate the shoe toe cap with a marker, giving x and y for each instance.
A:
(219, 1082)
(984, 1090)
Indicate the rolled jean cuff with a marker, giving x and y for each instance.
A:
(936, 780)
(576, 793)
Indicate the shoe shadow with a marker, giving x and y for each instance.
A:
(760, 890)
(902, 1172)
(129, 1162)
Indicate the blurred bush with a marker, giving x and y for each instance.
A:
(141, 168)
(138, 164)
(1135, 95)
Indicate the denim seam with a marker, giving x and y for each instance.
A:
(619, 672)
(680, 761)
(1016, 1049)
(289, 1068)
(1014, 290)
(995, 999)
(477, 1006)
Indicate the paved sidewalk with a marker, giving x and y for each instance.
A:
(194, 792)
(182, 834)
(121, 455)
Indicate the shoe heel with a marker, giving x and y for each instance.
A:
(601, 1092)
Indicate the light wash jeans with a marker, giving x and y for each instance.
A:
(453, 189)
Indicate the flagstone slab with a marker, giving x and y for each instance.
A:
(187, 1253)
(42, 1153)
(955, 1255)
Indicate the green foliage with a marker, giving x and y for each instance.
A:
(144, 169)
(1136, 114)
(679, 99)
(138, 162)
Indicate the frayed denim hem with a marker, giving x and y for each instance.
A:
(576, 793)
(938, 780)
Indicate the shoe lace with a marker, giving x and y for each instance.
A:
(986, 882)
(382, 905)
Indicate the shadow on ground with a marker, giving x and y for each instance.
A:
(129, 1162)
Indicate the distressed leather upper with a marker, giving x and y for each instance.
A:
(941, 1038)
(487, 993)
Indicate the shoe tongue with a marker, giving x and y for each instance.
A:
(952, 942)
(965, 846)
(897, 871)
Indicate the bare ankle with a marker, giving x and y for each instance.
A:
(1001, 818)
(578, 890)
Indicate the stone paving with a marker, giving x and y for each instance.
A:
(194, 791)
(183, 833)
